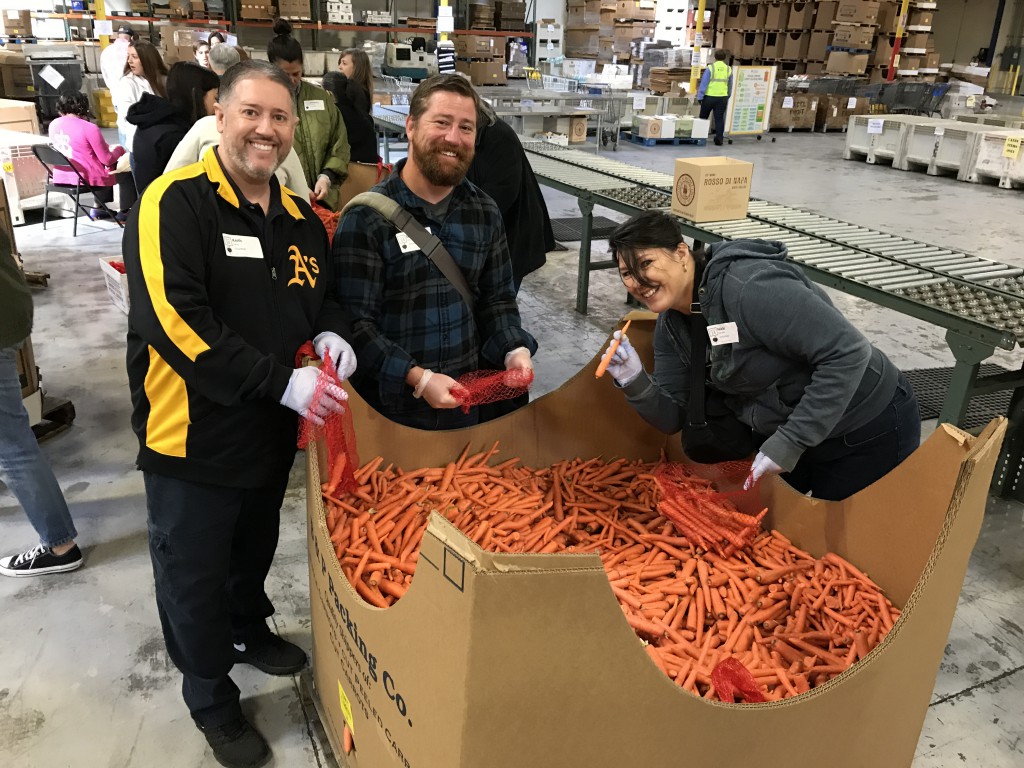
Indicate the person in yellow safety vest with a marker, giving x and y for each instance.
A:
(714, 92)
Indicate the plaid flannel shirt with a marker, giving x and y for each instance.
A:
(404, 312)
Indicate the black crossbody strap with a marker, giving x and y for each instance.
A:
(431, 246)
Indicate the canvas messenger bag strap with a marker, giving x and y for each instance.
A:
(431, 246)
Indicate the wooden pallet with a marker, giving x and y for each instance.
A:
(647, 142)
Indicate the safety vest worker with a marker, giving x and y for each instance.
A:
(718, 84)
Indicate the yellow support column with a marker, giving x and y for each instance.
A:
(101, 15)
(698, 38)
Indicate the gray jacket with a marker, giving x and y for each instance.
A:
(800, 372)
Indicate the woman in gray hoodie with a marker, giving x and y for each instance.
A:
(834, 413)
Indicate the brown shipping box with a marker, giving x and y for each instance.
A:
(776, 16)
(711, 188)
(476, 46)
(834, 111)
(19, 116)
(483, 72)
(753, 16)
(753, 45)
(15, 76)
(843, 63)
(796, 111)
(850, 36)
(794, 45)
(507, 661)
(801, 16)
(825, 15)
(888, 15)
(774, 44)
(731, 17)
(15, 23)
(818, 48)
(857, 12)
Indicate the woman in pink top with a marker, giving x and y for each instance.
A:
(83, 144)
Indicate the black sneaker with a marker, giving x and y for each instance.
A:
(237, 744)
(270, 653)
(39, 561)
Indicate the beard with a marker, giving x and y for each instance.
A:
(436, 169)
(239, 155)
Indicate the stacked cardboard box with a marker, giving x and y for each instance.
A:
(15, 76)
(298, 10)
(853, 41)
(510, 16)
(550, 40)
(482, 57)
(256, 10)
(605, 30)
(15, 23)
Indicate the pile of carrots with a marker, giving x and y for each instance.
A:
(792, 620)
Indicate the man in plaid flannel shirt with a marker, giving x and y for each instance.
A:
(413, 333)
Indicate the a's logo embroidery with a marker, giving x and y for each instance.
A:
(305, 267)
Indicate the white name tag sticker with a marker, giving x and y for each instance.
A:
(406, 243)
(313, 105)
(723, 333)
(243, 247)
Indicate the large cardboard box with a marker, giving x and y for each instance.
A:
(293, 9)
(801, 16)
(776, 16)
(732, 41)
(483, 72)
(795, 45)
(731, 17)
(753, 45)
(843, 63)
(15, 23)
(794, 111)
(774, 43)
(825, 15)
(573, 126)
(19, 116)
(15, 76)
(477, 46)
(883, 50)
(888, 16)
(651, 127)
(851, 36)
(818, 47)
(834, 111)
(641, 10)
(515, 661)
(857, 12)
(753, 16)
(711, 188)
(920, 18)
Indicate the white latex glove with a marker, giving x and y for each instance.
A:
(625, 365)
(438, 390)
(517, 360)
(761, 467)
(322, 187)
(298, 395)
(341, 352)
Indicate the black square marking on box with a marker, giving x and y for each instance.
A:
(454, 569)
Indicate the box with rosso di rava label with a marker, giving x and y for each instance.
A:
(711, 188)
(496, 660)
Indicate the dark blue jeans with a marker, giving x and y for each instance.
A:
(716, 105)
(211, 549)
(841, 466)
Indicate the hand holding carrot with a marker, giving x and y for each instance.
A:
(620, 360)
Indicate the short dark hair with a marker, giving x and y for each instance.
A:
(247, 70)
(283, 47)
(650, 229)
(456, 84)
(74, 103)
(721, 54)
(187, 84)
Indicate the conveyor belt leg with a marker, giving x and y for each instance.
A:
(969, 355)
(583, 274)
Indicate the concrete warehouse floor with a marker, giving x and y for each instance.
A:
(84, 679)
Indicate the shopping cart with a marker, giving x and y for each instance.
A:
(614, 106)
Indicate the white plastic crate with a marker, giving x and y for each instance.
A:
(988, 159)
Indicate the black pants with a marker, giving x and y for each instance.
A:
(716, 104)
(841, 466)
(126, 193)
(211, 549)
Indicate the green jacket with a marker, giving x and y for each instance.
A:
(321, 141)
(15, 299)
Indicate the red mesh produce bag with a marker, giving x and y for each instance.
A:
(707, 516)
(491, 386)
(337, 430)
(732, 680)
(328, 218)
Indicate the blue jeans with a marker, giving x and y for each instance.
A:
(23, 466)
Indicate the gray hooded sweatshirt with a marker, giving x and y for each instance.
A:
(800, 372)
